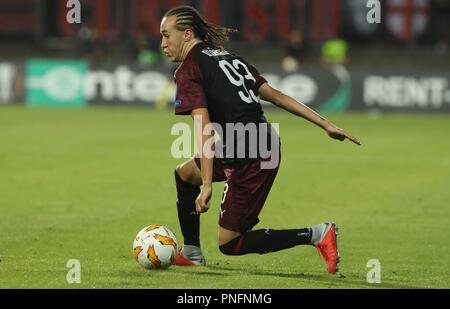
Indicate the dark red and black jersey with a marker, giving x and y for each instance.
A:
(223, 83)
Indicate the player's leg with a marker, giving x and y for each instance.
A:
(225, 236)
(262, 241)
(188, 180)
(245, 193)
(322, 236)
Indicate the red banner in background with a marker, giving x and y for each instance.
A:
(18, 17)
(267, 20)
(257, 20)
(105, 17)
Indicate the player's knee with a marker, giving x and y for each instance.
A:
(183, 169)
(228, 248)
(187, 172)
(183, 172)
(178, 177)
(179, 170)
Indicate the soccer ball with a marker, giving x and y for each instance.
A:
(155, 247)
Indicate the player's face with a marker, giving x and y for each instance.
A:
(172, 39)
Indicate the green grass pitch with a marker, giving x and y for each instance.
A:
(79, 184)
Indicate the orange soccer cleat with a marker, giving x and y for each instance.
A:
(328, 248)
(181, 260)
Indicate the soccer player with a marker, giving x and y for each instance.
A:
(215, 86)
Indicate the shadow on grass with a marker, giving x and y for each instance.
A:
(174, 270)
(202, 273)
(338, 281)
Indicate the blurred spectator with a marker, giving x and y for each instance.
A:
(440, 19)
(294, 52)
(90, 46)
(334, 51)
(334, 58)
(146, 50)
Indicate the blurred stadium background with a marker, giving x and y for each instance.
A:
(322, 52)
(79, 182)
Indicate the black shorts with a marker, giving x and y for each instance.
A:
(246, 189)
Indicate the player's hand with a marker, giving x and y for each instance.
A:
(340, 134)
(202, 203)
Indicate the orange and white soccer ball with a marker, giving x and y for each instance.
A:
(155, 247)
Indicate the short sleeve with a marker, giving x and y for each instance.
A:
(259, 79)
(190, 92)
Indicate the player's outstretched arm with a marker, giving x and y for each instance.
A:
(291, 105)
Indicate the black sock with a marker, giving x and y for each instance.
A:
(265, 241)
(187, 216)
